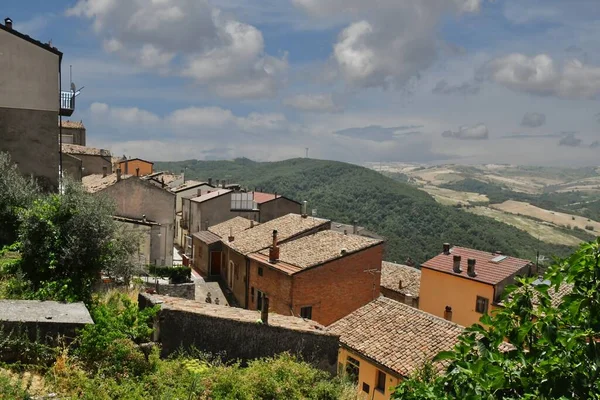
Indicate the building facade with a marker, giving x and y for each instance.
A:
(73, 132)
(30, 104)
(93, 161)
(401, 283)
(462, 284)
(136, 166)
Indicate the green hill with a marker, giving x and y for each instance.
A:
(413, 223)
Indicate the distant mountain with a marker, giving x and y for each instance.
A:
(413, 223)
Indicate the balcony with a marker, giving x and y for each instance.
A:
(67, 103)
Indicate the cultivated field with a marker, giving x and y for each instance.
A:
(453, 197)
(556, 218)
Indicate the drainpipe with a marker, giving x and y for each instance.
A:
(60, 160)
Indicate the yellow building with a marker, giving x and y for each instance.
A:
(462, 284)
(385, 341)
(136, 166)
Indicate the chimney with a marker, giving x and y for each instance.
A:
(275, 194)
(217, 185)
(304, 206)
(251, 223)
(223, 183)
(144, 218)
(209, 181)
(264, 313)
(408, 300)
(274, 250)
(104, 172)
(448, 313)
(446, 248)
(199, 192)
(345, 232)
(355, 227)
(137, 171)
(118, 174)
(471, 267)
(456, 266)
(8, 23)
(400, 284)
(231, 238)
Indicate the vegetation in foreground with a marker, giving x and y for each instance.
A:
(412, 222)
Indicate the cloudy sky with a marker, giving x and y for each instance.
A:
(463, 81)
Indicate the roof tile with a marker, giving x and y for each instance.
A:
(392, 274)
(232, 226)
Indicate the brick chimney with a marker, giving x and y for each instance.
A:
(137, 172)
(446, 248)
(118, 174)
(448, 313)
(456, 264)
(251, 223)
(231, 237)
(264, 313)
(400, 284)
(274, 250)
(8, 23)
(471, 267)
(104, 172)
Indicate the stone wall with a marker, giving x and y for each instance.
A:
(235, 334)
(183, 290)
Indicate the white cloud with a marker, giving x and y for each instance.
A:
(463, 89)
(533, 120)
(196, 116)
(320, 103)
(539, 75)
(389, 41)
(475, 132)
(124, 115)
(190, 38)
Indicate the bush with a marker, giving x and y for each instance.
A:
(174, 274)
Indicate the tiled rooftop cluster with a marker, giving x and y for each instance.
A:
(396, 335)
(232, 226)
(401, 278)
(84, 150)
(188, 185)
(96, 183)
(72, 124)
(261, 236)
(211, 195)
(321, 247)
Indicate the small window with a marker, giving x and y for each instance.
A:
(306, 312)
(481, 306)
(260, 271)
(259, 300)
(366, 388)
(352, 369)
(381, 377)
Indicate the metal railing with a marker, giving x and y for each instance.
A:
(67, 103)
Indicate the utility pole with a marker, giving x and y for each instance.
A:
(306, 152)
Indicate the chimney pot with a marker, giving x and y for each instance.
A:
(456, 264)
(104, 172)
(8, 23)
(118, 174)
(400, 284)
(448, 313)
(251, 223)
(345, 232)
(446, 248)
(274, 249)
(471, 267)
(304, 209)
(137, 172)
(231, 237)
(355, 227)
(209, 181)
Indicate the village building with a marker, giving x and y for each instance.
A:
(84, 161)
(273, 205)
(136, 166)
(385, 342)
(463, 284)
(165, 180)
(30, 104)
(186, 190)
(207, 250)
(72, 132)
(401, 283)
(323, 276)
(143, 206)
(237, 248)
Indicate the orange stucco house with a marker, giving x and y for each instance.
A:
(462, 284)
(136, 166)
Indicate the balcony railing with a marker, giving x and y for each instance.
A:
(67, 103)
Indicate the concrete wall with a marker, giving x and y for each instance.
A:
(72, 167)
(367, 373)
(278, 208)
(182, 290)
(93, 165)
(29, 76)
(400, 297)
(241, 340)
(134, 198)
(439, 290)
(73, 136)
(144, 254)
(31, 139)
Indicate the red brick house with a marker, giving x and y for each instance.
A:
(324, 276)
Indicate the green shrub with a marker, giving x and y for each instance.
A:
(12, 388)
(174, 274)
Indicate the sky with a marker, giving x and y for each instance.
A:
(431, 81)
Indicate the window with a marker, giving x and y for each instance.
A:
(381, 381)
(306, 312)
(259, 300)
(260, 271)
(481, 306)
(366, 388)
(352, 369)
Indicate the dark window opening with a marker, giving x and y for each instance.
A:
(260, 271)
(259, 300)
(306, 312)
(366, 388)
(381, 377)
(352, 369)
(481, 306)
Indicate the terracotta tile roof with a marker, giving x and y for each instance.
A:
(261, 237)
(187, 185)
(96, 183)
(162, 177)
(90, 151)
(261, 197)
(488, 271)
(237, 314)
(556, 296)
(207, 237)
(234, 225)
(72, 124)
(319, 248)
(211, 195)
(135, 159)
(396, 335)
(137, 221)
(392, 274)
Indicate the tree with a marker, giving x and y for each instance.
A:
(16, 193)
(552, 348)
(66, 242)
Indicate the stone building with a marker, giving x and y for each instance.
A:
(30, 104)
(73, 132)
(92, 161)
(401, 283)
